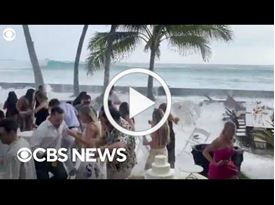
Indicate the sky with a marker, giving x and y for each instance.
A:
(251, 44)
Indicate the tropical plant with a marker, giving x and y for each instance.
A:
(77, 58)
(183, 37)
(107, 47)
(38, 77)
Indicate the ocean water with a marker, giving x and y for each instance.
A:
(240, 77)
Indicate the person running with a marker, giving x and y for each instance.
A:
(160, 139)
(90, 138)
(49, 134)
(116, 139)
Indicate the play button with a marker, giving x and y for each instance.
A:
(138, 102)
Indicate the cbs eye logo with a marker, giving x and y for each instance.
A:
(9, 34)
(24, 154)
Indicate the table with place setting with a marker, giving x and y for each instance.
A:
(191, 171)
(258, 116)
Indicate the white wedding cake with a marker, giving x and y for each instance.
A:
(160, 169)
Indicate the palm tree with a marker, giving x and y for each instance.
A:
(77, 58)
(183, 37)
(38, 77)
(106, 47)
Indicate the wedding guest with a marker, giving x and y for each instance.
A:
(41, 112)
(90, 138)
(10, 106)
(160, 139)
(2, 115)
(70, 113)
(114, 97)
(49, 134)
(78, 99)
(86, 101)
(42, 90)
(70, 118)
(124, 112)
(221, 165)
(14, 168)
(117, 139)
(25, 107)
(171, 146)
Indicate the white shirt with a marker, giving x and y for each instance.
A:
(70, 116)
(47, 136)
(13, 168)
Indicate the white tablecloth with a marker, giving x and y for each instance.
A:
(260, 120)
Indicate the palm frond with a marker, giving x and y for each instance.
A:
(95, 61)
(98, 41)
(144, 31)
(217, 32)
(158, 52)
(122, 44)
(97, 46)
(191, 42)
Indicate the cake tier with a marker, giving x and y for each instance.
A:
(160, 160)
(149, 174)
(160, 169)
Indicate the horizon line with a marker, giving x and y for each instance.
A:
(157, 63)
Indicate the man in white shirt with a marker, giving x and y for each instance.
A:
(70, 118)
(70, 113)
(13, 167)
(49, 134)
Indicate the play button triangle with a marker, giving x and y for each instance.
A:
(138, 102)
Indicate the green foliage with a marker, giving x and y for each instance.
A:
(185, 38)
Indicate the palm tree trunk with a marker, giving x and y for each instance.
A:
(38, 77)
(108, 54)
(77, 58)
(150, 78)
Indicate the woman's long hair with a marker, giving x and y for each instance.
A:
(124, 109)
(78, 99)
(163, 131)
(29, 96)
(11, 101)
(39, 96)
(229, 129)
(89, 112)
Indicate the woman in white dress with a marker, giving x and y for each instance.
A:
(90, 138)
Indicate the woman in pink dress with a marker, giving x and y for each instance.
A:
(221, 165)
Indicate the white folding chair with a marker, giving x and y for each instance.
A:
(198, 136)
